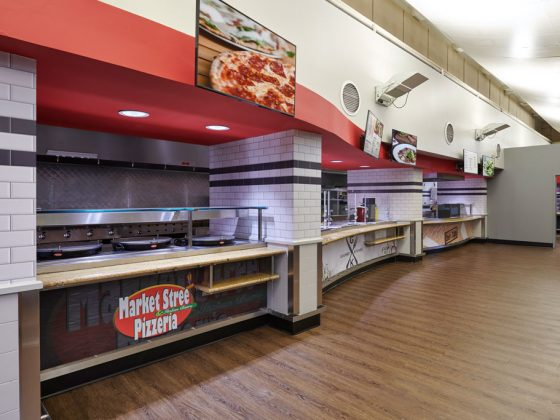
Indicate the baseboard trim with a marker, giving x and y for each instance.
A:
(410, 258)
(522, 243)
(295, 327)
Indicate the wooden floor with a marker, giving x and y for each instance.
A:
(472, 333)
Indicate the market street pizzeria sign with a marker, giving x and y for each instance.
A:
(153, 311)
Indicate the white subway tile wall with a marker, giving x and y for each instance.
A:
(293, 201)
(470, 191)
(9, 351)
(17, 217)
(392, 205)
(426, 192)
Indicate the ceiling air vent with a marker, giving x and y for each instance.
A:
(350, 98)
(449, 133)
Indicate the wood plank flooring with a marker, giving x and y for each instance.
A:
(472, 333)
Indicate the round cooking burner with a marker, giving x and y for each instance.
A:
(140, 244)
(60, 251)
(213, 240)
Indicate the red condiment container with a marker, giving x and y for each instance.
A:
(360, 214)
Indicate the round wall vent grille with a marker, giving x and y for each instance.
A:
(449, 133)
(350, 98)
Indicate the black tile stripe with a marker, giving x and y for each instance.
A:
(18, 126)
(119, 164)
(267, 181)
(464, 189)
(5, 157)
(283, 164)
(384, 184)
(466, 193)
(395, 191)
(17, 158)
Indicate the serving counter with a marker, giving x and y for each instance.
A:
(350, 248)
(438, 234)
(109, 312)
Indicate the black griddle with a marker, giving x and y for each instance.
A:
(61, 251)
(206, 241)
(213, 240)
(140, 244)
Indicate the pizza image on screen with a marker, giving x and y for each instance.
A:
(255, 77)
(239, 57)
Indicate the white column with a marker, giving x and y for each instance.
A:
(283, 172)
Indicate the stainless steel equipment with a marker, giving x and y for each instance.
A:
(370, 206)
(335, 205)
(80, 233)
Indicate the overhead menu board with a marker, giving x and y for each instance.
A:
(239, 57)
(488, 163)
(404, 147)
(373, 135)
(470, 160)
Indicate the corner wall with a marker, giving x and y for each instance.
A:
(397, 192)
(470, 191)
(17, 217)
(522, 198)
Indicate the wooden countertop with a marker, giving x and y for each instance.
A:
(451, 220)
(344, 232)
(116, 272)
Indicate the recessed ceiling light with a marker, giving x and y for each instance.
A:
(364, 166)
(217, 127)
(133, 113)
(336, 161)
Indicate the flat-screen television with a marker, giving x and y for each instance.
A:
(403, 148)
(470, 162)
(488, 163)
(373, 135)
(239, 57)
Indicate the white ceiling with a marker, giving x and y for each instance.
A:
(518, 41)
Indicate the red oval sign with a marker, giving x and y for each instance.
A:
(153, 311)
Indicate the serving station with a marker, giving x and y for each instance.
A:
(146, 279)
(441, 233)
(349, 248)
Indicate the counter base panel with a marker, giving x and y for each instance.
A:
(63, 383)
(354, 271)
(442, 248)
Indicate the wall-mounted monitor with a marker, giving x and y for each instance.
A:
(373, 135)
(470, 162)
(239, 57)
(403, 148)
(488, 164)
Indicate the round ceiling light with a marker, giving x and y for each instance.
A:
(217, 127)
(133, 113)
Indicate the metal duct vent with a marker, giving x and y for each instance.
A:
(350, 98)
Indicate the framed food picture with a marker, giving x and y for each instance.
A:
(373, 135)
(488, 163)
(239, 57)
(404, 148)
